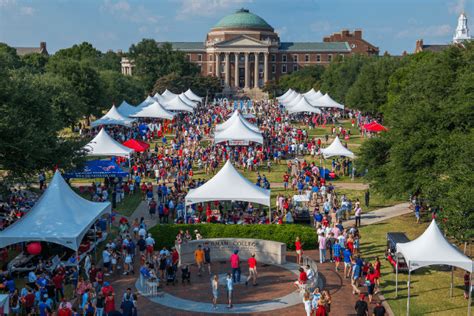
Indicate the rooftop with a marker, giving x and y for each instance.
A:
(243, 19)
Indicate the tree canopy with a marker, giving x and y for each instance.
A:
(429, 147)
(154, 60)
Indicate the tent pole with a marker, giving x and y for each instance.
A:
(470, 295)
(452, 281)
(408, 299)
(396, 275)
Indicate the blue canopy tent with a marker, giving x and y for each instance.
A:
(98, 169)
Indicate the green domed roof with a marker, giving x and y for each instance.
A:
(243, 19)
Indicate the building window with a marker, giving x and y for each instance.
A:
(342, 56)
(318, 58)
(283, 69)
(283, 59)
(211, 57)
(210, 69)
(199, 67)
(273, 68)
(329, 57)
(306, 58)
(199, 57)
(188, 57)
(273, 58)
(295, 67)
(295, 58)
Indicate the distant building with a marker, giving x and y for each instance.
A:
(461, 34)
(22, 51)
(244, 51)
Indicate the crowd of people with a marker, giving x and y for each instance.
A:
(163, 174)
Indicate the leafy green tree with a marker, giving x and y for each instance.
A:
(85, 80)
(369, 91)
(153, 60)
(118, 87)
(31, 142)
(80, 52)
(429, 147)
(303, 79)
(9, 57)
(36, 63)
(111, 61)
(341, 74)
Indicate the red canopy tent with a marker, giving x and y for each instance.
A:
(374, 127)
(136, 145)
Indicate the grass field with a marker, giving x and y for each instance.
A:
(430, 287)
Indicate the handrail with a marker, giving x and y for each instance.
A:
(313, 265)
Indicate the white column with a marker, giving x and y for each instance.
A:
(236, 70)
(227, 69)
(265, 68)
(217, 65)
(255, 75)
(247, 73)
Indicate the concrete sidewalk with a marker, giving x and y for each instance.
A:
(383, 214)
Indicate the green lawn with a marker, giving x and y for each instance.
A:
(126, 207)
(430, 287)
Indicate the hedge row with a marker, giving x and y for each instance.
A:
(165, 235)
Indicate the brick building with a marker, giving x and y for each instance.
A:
(245, 51)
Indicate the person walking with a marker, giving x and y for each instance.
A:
(199, 258)
(307, 303)
(336, 249)
(235, 265)
(215, 290)
(322, 248)
(230, 288)
(357, 215)
(252, 262)
(299, 250)
(361, 307)
(207, 256)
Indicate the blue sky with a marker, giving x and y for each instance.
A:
(393, 25)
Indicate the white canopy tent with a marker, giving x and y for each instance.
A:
(192, 96)
(303, 106)
(228, 185)
(284, 95)
(432, 248)
(337, 149)
(312, 95)
(127, 109)
(293, 101)
(154, 110)
(113, 117)
(104, 145)
(236, 116)
(149, 100)
(326, 102)
(178, 105)
(188, 101)
(168, 95)
(60, 216)
(289, 97)
(237, 132)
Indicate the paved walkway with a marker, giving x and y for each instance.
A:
(383, 214)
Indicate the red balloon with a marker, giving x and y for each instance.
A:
(34, 248)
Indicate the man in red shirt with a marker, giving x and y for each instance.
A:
(29, 302)
(302, 279)
(58, 281)
(235, 265)
(252, 271)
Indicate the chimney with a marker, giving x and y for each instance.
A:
(419, 46)
(358, 34)
(345, 33)
(43, 45)
(404, 53)
(326, 39)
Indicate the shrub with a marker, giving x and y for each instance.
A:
(165, 235)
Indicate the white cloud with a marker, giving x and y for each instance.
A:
(457, 7)
(207, 7)
(427, 31)
(282, 31)
(121, 6)
(7, 3)
(129, 12)
(27, 11)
